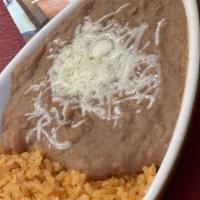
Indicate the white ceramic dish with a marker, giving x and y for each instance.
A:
(188, 99)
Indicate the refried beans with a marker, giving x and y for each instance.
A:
(102, 93)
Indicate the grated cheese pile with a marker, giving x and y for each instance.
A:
(101, 68)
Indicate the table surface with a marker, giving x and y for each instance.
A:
(185, 183)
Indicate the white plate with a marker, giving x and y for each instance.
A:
(189, 92)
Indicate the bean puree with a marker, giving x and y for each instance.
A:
(122, 130)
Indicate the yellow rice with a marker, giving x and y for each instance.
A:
(31, 176)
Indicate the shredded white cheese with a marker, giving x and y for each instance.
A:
(34, 1)
(121, 8)
(102, 68)
(44, 120)
(100, 64)
(157, 32)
